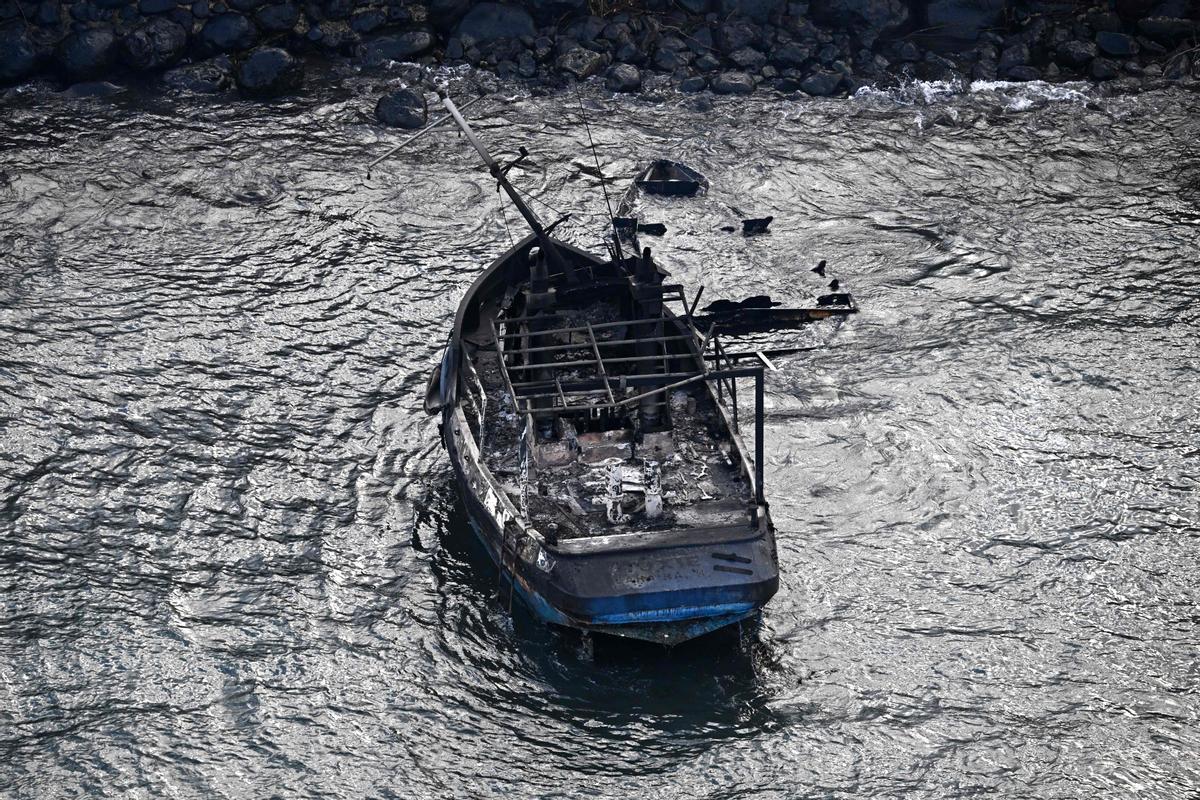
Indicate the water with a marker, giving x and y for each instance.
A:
(233, 559)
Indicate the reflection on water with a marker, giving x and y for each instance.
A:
(235, 565)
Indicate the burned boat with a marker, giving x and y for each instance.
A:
(593, 422)
(670, 178)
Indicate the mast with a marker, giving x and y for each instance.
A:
(548, 245)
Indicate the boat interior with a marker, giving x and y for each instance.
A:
(593, 404)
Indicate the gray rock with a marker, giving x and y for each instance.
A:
(18, 57)
(696, 83)
(963, 19)
(623, 78)
(760, 11)
(207, 77)
(581, 62)
(1117, 44)
(1177, 67)
(733, 83)
(268, 72)
(155, 6)
(1075, 54)
(277, 17)
(908, 52)
(395, 47)
(1104, 69)
(1015, 55)
(1023, 72)
(488, 21)
(707, 62)
(821, 83)
(93, 89)
(156, 44)
(869, 18)
(984, 71)
(366, 20)
(790, 54)
(445, 14)
(404, 108)
(86, 54)
(669, 60)
(227, 33)
(526, 64)
(629, 53)
(245, 6)
(737, 33)
(748, 58)
(1168, 31)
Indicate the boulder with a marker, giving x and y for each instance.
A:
(623, 78)
(1168, 31)
(1116, 44)
(963, 19)
(552, 11)
(736, 33)
(395, 47)
(1014, 55)
(733, 83)
(488, 21)
(445, 14)
(245, 6)
(277, 17)
(695, 83)
(760, 11)
(526, 64)
(206, 77)
(668, 60)
(869, 18)
(156, 6)
(366, 20)
(821, 83)
(227, 33)
(1023, 72)
(790, 54)
(93, 89)
(86, 54)
(404, 108)
(580, 62)
(1075, 54)
(269, 71)
(748, 58)
(18, 57)
(1104, 69)
(157, 43)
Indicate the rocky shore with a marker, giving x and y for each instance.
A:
(817, 47)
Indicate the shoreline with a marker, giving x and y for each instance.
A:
(265, 49)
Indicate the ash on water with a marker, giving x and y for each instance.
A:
(234, 563)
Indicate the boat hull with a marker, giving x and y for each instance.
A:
(666, 587)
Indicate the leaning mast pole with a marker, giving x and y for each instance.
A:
(549, 247)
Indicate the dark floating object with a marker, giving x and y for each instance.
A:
(833, 285)
(820, 268)
(836, 299)
(671, 178)
(652, 228)
(753, 226)
(730, 306)
(593, 424)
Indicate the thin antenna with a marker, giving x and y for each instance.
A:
(603, 183)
